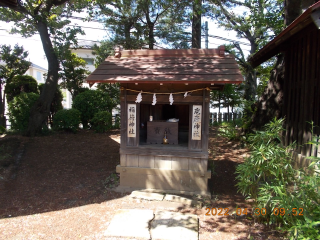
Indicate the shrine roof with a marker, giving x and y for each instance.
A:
(278, 44)
(168, 66)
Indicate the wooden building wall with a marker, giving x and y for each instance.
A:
(302, 89)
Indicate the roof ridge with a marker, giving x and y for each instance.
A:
(220, 51)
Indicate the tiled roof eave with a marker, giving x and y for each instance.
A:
(168, 79)
(148, 66)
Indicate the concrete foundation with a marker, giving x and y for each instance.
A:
(164, 180)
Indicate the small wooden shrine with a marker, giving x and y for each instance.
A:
(165, 97)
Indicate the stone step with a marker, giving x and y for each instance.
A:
(173, 225)
(131, 223)
(147, 195)
(161, 225)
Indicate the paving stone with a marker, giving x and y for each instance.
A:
(133, 223)
(147, 195)
(175, 198)
(183, 200)
(173, 226)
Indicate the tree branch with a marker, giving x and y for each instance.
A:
(234, 23)
(159, 14)
(237, 46)
(36, 10)
(59, 2)
(19, 7)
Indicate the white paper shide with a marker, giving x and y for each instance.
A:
(154, 99)
(196, 122)
(171, 99)
(132, 112)
(139, 97)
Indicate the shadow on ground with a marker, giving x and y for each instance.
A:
(60, 171)
(65, 171)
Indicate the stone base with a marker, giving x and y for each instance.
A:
(163, 180)
(146, 224)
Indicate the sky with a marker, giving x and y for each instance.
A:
(95, 32)
(34, 46)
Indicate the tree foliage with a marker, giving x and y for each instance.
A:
(20, 84)
(136, 23)
(112, 89)
(73, 73)
(48, 18)
(67, 120)
(258, 23)
(230, 97)
(19, 110)
(102, 121)
(105, 49)
(90, 102)
(15, 63)
(102, 51)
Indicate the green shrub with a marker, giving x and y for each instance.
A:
(20, 84)
(215, 124)
(238, 122)
(116, 122)
(268, 163)
(2, 129)
(102, 121)
(19, 110)
(290, 197)
(229, 130)
(249, 109)
(67, 120)
(307, 192)
(91, 102)
(112, 89)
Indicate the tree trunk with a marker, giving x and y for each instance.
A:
(250, 90)
(219, 101)
(41, 109)
(270, 103)
(196, 24)
(150, 25)
(127, 28)
(292, 10)
(151, 34)
(2, 107)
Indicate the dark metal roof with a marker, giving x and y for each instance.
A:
(276, 45)
(169, 66)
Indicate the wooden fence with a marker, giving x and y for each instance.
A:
(224, 117)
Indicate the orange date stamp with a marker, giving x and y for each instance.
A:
(256, 211)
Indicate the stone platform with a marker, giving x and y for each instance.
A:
(146, 224)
